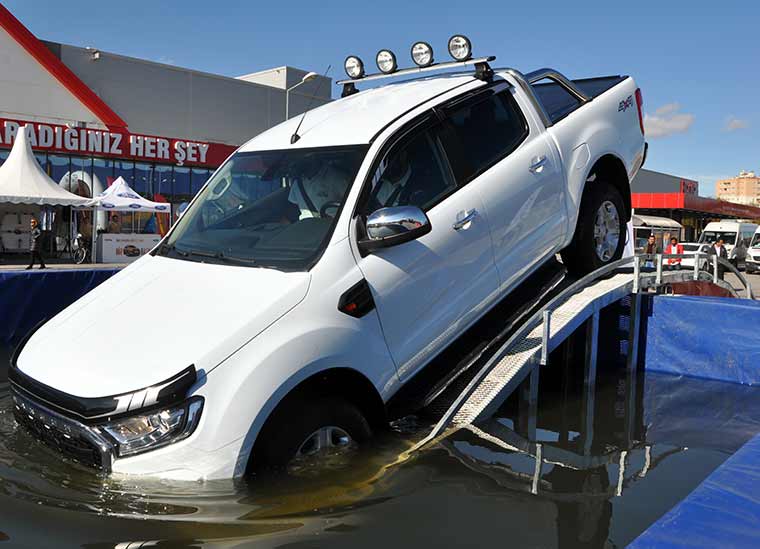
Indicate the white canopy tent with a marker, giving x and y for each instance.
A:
(23, 181)
(120, 197)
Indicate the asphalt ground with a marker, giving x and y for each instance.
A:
(753, 279)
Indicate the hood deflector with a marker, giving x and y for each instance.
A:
(105, 408)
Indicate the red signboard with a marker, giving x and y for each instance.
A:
(682, 201)
(689, 187)
(114, 144)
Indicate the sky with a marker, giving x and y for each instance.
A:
(697, 67)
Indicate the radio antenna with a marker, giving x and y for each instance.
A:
(295, 137)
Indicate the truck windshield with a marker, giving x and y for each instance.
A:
(713, 236)
(267, 209)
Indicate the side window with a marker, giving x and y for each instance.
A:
(485, 131)
(413, 173)
(556, 100)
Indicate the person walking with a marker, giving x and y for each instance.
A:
(35, 243)
(651, 249)
(674, 263)
(719, 250)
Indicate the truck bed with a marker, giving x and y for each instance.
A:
(558, 103)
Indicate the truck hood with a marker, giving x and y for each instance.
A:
(154, 319)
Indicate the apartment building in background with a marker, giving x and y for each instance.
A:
(742, 189)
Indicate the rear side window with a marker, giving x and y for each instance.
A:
(556, 100)
(484, 131)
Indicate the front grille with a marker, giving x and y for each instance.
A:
(71, 438)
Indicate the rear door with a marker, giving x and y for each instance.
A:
(516, 169)
(428, 290)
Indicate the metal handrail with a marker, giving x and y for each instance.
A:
(524, 330)
(544, 314)
(697, 256)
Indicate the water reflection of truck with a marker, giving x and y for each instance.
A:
(328, 261)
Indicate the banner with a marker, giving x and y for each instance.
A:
(105, 143)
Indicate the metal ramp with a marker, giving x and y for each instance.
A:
(529, 347)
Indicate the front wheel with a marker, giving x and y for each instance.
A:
(600, 232)
(308, 427)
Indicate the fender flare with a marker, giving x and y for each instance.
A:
(277, 396)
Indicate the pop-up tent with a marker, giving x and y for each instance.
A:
(120, 197)
(23, 181)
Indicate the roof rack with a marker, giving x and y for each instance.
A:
(482, 71)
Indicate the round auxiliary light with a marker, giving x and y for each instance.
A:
(386, 61)
(460, 47)
(422, 54)
(354, 67)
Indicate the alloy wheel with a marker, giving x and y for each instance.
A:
(606, 231)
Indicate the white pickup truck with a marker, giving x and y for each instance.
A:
(325, 264)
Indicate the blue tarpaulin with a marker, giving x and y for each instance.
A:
(27, 297)
(724, 511)
(706, 337)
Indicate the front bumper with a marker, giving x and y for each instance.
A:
(83, 443)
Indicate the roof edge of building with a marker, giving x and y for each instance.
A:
(56, 68)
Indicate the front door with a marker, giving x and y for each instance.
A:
(427, 290)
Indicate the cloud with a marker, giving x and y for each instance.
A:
(733, 124)
(667, 109)
(667, 120)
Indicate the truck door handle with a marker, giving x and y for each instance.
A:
(469, 216)
(537, 163)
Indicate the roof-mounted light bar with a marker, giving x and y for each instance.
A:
(481, 66)
(460, 49)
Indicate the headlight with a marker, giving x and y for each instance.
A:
(154, 429)
(354, 67)
(386, 61)
(422, 54)
(460, 47)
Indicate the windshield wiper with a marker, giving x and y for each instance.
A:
(220, 256)
(238, 260)
(166, 249)
(212, 255)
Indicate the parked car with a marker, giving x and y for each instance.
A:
(736, 237)
(753, 254)
(691, 249)
(327, 262)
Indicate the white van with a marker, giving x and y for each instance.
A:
(753, 254)
(736, 236)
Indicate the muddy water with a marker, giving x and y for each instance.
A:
(600, 483)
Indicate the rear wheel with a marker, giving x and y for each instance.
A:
(311, 428)
(600, 232)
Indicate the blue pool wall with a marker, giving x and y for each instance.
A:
(28, 297)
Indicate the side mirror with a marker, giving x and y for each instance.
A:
(392, 226)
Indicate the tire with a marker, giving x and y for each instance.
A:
(581, 256)
(295, 421)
